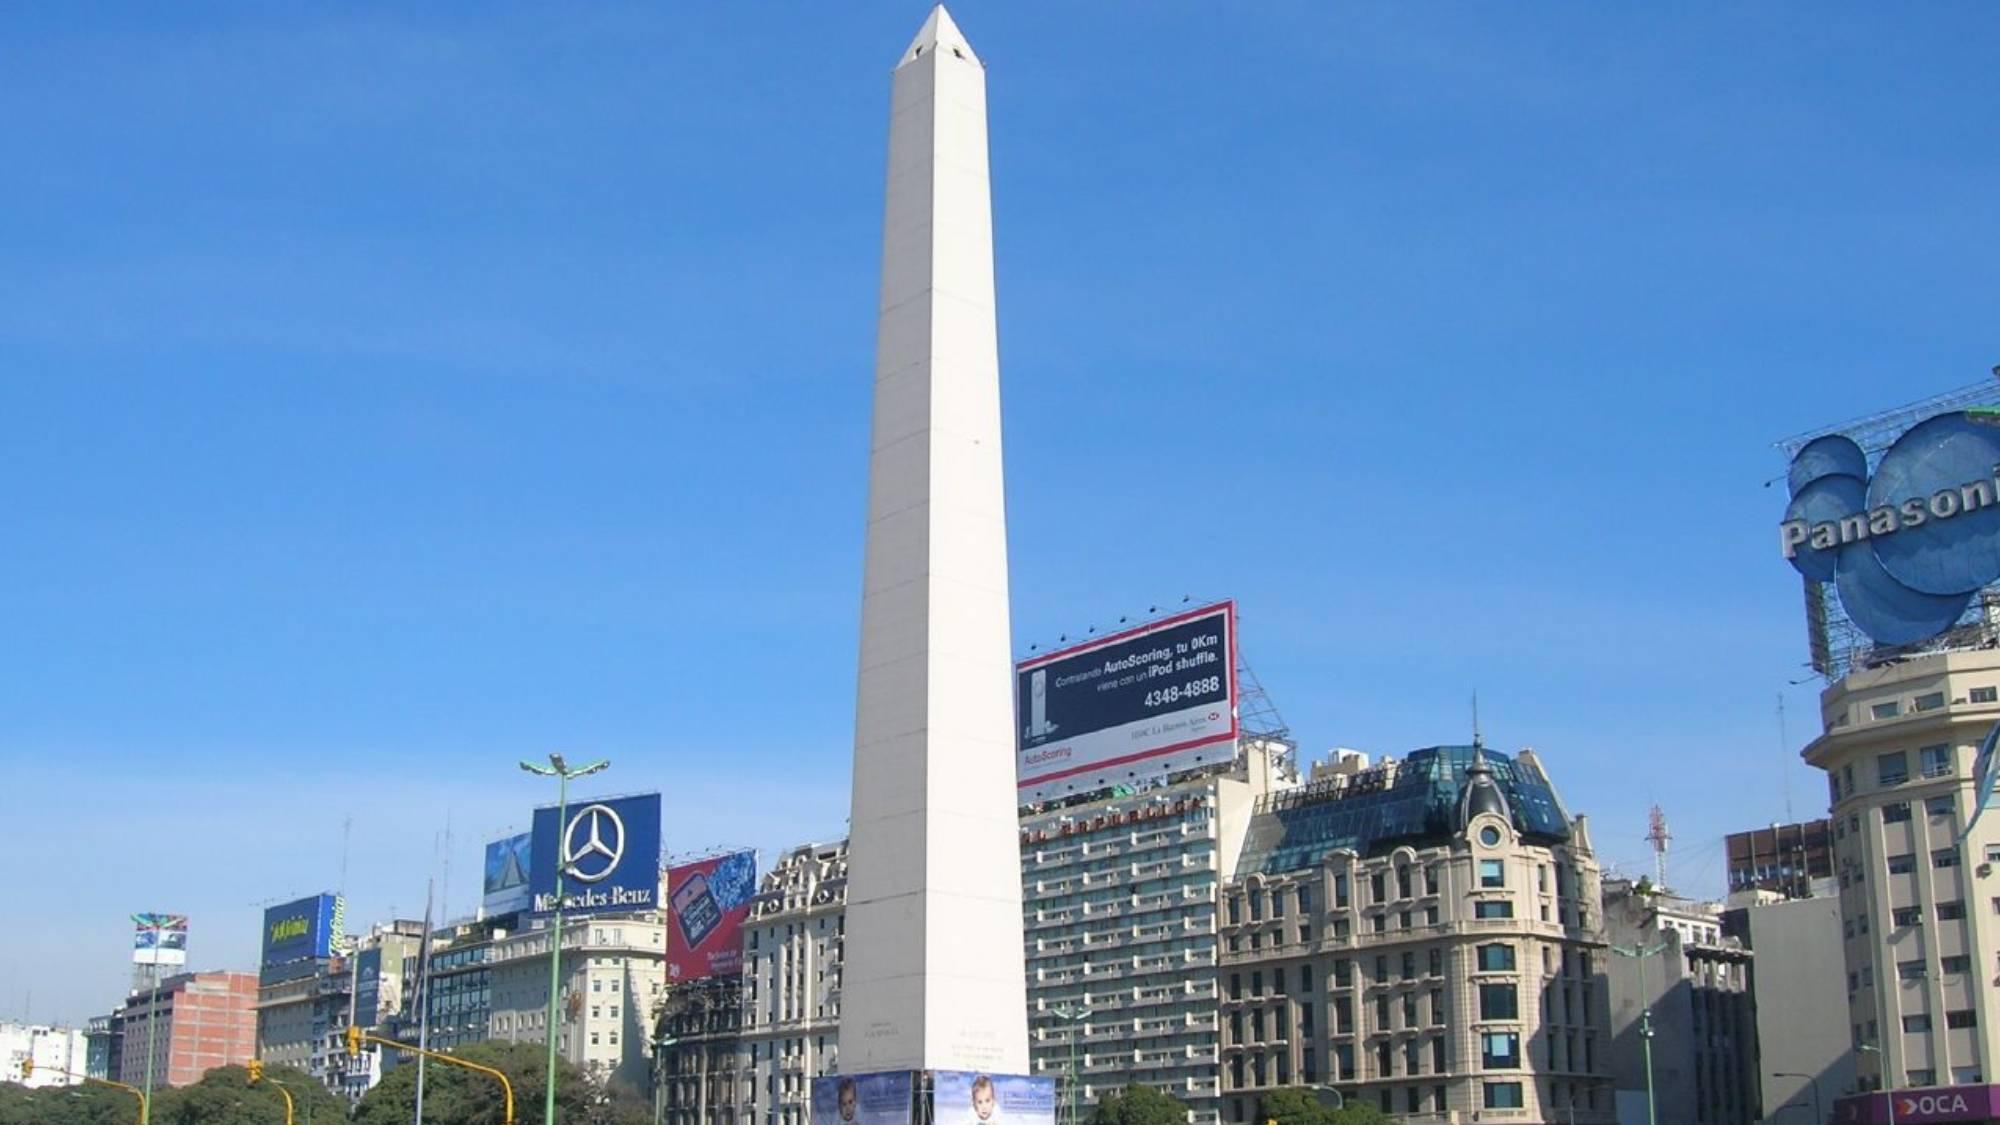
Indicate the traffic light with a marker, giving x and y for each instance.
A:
(256, 1067)
(353, 1041)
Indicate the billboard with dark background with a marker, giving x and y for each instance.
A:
(1123, 706)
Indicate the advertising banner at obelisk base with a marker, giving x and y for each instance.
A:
(710, 898)
(862, 1099)
(967, 1097)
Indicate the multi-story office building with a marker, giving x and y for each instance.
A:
(101, 1050)
(459, 989)
(1119, 900)
(699, 1062)
(1919, 905)
(302, 1014)
(193, 1023)
(60, 1054)
(1422, 934)
(613, 973)
(1674, 967)
(792, 946)
(1788, 859)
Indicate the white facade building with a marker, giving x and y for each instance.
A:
(60, 1054)
(613, 970)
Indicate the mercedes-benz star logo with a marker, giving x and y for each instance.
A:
(604, 841)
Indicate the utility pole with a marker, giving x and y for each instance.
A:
(1640, 953)
(558, 769)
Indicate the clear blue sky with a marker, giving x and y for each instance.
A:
(386, 395)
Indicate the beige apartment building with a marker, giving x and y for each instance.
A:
(1421, 934)
(1920, 913)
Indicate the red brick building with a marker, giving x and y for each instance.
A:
(206, 1020)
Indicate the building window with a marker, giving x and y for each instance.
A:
(1343, 1015)
(1381, 1013)
(1902, 864)
(1938, 806)
(1378, 888)
(1500, 1050)
(1895, 812)
(1950, 911)
(1413, 1059)
(1492, 909)
(1490, 836)
(1381, 968)
(1906, 916)
(1257, 983)
(1342, 972)
(1497, 1001)
(1910, 970)
(1305, 899)
(1431, 879)
(1340, 892)
(1431, 915)
(1437, 1054)
(1502, 1095)
(1437, 962)
(1888, 710)
(1932, 701)
(1963, 1017)
(1959, 964)
(1380, 923)
(1235, 910)
(1492, 873)
(1918, 1022)
(1892, 768)
(1944, 857)
(1403, 882)
(1985, 695)
(1935, 761)
(1409, 1009)
(1409, 964)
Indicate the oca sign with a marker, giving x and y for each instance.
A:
(1909, 546)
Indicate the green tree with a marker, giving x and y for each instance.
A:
(1301, 1106)
(225, 1096)
(454, 1095)
(85, 1104)
(1138, 1104)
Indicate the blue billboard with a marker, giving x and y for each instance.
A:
(862, 1099)
(1907, 546)
(610, 851)
(507, 864)
(302, 930)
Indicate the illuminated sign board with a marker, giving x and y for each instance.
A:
(1908, 546)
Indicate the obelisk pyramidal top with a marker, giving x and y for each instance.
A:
(933, 972)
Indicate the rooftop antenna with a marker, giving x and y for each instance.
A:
(346, 838)
(1475, 718)
(1658, 836)
(1785, 765)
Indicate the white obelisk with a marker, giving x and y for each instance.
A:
(933, 976)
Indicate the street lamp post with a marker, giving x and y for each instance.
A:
(1074, 1017)
(560, 770)
(1640, 953)
(1819, 1107)
(1888, 1086)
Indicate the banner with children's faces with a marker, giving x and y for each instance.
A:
(862, 1099)
(969, 1097)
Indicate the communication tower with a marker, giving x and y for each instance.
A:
(1658, 836)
